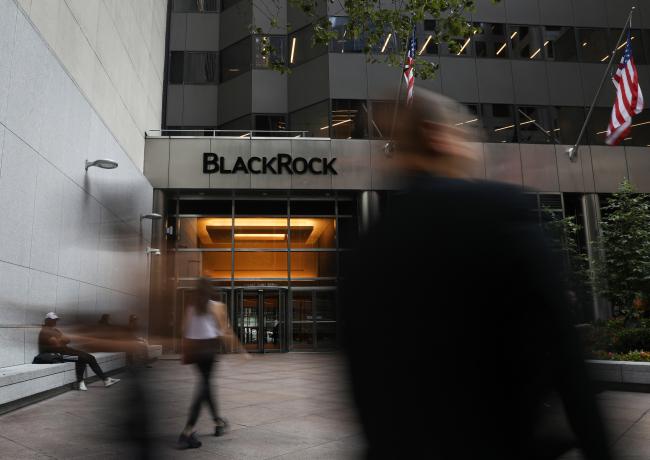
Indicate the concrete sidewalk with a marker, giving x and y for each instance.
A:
(280, 406)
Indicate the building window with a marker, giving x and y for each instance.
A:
(200, 67)
(491, 41)
(566, 124)
(274, 123)
(593, 45)
(640, 135)
(499, 122)
(465, 47)
(349, 119)
(239, 126)
(560, 44)
(196, 6)
(344, 43)
(302, 48)
(638, 48)
(176, 67)
(382, 119)
(534, 125)
(236, 59)
(597, 128)
(225, 4)
(526, 42)
(277, 50)
(313, 119)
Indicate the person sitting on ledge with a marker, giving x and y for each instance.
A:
(52, 340)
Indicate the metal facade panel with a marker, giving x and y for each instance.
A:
(266, 147)
(638, 163)
(590, 13)
(503, 163)
(574, 176)
(200, 105)
(177, 31)
(530, 82)
(202, 32)
(556, 12)
(618, 10)
(230, 149)
(383, 81)
(565, 84)
(347, 77)
(382, 168)
(156, 161)
(609, 166)
(269, 92)
(486, 11)
(234, 24)
(236, 98)
(353, 161)
(522, 11)
(495, 81)
(186, 163)
(308, 149)
(309, 83)
(174, 115)
(539, 167)
(459, 78)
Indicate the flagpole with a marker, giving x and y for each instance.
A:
(573, 151)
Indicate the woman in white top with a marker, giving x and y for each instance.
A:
(205, 326)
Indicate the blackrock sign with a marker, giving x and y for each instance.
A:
(282, 163)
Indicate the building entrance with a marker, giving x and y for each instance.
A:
(261, 318)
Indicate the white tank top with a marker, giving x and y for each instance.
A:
(201, 327)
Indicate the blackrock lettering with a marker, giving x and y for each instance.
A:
(282, 163)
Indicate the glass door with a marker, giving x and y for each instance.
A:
(314, 319)
(261, 319)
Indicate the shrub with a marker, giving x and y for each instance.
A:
(627, 340)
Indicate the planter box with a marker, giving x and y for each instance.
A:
(619, 371)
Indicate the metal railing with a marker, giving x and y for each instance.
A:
(241, 133)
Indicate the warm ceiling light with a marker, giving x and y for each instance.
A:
(514, 34)
(425, 44)
(153, 251)
(546, 42)
(245, 135)
(640, 124)
(336, 124)
(501, 49)
(604, 59)
(464, 46)
(261, 236)
(504, 128)
(535, 53)
(104, 164)
(527, 122)
(584, 44)
(466, 122)
(293, 49)
(383, 48)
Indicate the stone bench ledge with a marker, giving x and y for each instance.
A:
(619, 371)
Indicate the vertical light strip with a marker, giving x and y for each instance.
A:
(293, 49)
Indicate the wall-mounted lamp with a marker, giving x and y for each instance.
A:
(152, 251)
(103, 163)
(151, 215)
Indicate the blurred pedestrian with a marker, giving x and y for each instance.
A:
(206, 325)
(484, 334)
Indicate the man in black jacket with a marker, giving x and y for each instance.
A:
(455, 320)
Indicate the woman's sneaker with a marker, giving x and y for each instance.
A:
(82, 386)
(110, 381)
(188, 442)
(220, 426)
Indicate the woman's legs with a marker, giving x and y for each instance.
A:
(203, 392)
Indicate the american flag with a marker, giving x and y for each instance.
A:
(409, 69)
(629, 98)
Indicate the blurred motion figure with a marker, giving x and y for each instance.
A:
(488, 335)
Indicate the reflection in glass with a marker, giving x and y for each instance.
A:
(200, 67)
(526, 42)
(597, 128)
(343, 43)
(277, 50)
(349, 119)
(303, 319)
(593, 45)
(499, 122)
(313, 119)
(382, 119)
(248, 320)
(301, 47)
(534, 125)
(638, 48)
(313, 265)
(491, 41)
(560, 43)
(236, 59)
(566, 123)
(205, 232)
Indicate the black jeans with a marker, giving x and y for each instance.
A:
(205, 364)
(82, 360)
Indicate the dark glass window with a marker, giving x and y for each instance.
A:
(208, 207)
(200, 67)
(534, 125)
(427, 44)
(262, 208)
(499, 122)
(349, 119)
(566, 123)
(465, 45)
(301, 47)
(277, 51)
(196, 6)
(526, 42)
(270, 123)
(640, 135)
(176, 67)
(313, 208)
(344, 43)
(347, 207)
(637, 45)
(225, 4)
(382, 119)
(593, 45)
(236, 59)
(597, 128)
(429, 25)
(491, 41)
(560, 44)
(239, 125)
(313, 119)
(472, 122)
